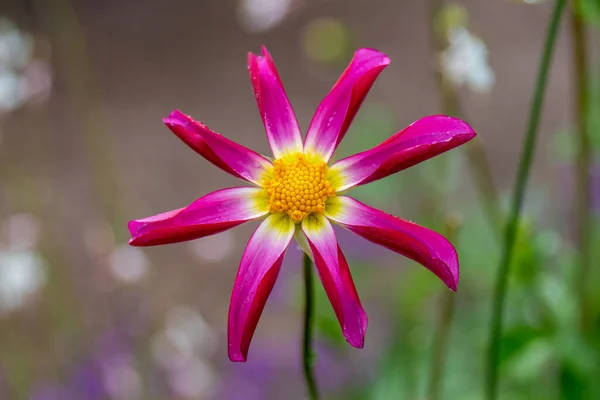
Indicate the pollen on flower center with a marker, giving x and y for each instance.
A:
(298, 187)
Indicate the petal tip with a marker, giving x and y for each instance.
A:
(355, 335)
(356, 341)
(447, 272)
(264, 51)
(237, 356)
(251, 59)
(176, 117)
(374, 54)
(133, 226)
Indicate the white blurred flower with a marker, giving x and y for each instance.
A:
(186, 334)
(22, 274)
(128, 264)
(213, 248)
(465, 61)
(10, 83)
(189, 332)
(16, 48)
(181, 349)
(192, 380)
(21, 231)
(261, 15)
(22, 78)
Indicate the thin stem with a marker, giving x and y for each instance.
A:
(450, 104)
(442, 331)
(481, 172)
(583, 184)
(478, 162)
(75, 66)
(440, 345)
(510, 234)
(307, 353)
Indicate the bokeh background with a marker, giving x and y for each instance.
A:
(83, 87)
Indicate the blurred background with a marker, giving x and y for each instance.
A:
(83, 87)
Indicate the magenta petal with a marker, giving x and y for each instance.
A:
(338, 108)
(275, 109)
(424, 139)
(255, 279)
(226, 154)
(336, 278)
(213, 213)
(420, 244)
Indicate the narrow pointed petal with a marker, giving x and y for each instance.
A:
(226, 154)
(255, 279)
(420, 141)
(274, 106)
(336, 278)
(338, 108)
(420, 244)
(213, 213)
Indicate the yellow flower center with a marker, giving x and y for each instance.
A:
(298, 186)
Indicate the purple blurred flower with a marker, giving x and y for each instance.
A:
(49, 392)
(104, 372)
(277, 365)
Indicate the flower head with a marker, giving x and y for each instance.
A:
(299, 195)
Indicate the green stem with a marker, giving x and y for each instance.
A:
(583, 184)
(478, 162)
(75, 66)
(440, 345)
(307, 353)
(481, 172)
(510, 234)
(442, 331)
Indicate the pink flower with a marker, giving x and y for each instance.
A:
(299, 195)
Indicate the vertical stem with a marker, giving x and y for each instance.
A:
(440, 345)
(75, 66)
(510, 234)
(478, 162)
(481, 171)
(442, 331)
(583, 184)
(307, 353)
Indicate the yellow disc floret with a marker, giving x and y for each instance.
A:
(298, 187)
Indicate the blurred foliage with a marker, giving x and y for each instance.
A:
(590, 10)
(327, 40)
(167, 351)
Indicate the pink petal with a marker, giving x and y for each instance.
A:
(336, 278)
(420, 244)
(226, 154)
(213, 213)
(275, 109)
(423, 139)
(338, 108)
(255, 279)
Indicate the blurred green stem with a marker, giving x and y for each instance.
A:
(510, 233)
(442, 331)
(74, 64)
(583, 184)
(479, 165)
(307, 352)
(450, 104)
